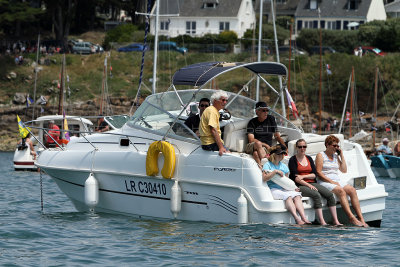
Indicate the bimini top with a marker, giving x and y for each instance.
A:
(200, 73)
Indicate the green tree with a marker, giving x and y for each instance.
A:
(62, 13)
(17, 16)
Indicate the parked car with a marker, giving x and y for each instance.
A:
(166, 45)
(325, 50)
(295, 51)
(98, 48)
(214, 49)
(82, 48)
(133, 48)
(265, 49)
(370, 50)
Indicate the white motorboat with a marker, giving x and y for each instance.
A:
(23, 160)
(117, 172)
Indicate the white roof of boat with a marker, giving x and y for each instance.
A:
(60, 117)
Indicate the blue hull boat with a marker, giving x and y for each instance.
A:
(386, 165)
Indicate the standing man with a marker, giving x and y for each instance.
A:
(54, 131)
(260, 131)
(193, 121)
(210, 132)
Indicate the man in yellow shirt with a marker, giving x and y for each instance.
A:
(210, 132)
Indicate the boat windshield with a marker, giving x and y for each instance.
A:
(158, 112)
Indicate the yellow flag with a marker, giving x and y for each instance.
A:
(23, 131)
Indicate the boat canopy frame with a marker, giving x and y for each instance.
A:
(200, 74)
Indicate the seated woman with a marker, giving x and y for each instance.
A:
(292, 199)
(303, 172)
(328, 164)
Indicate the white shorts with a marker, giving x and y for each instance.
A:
(284, 194)
(330, 186)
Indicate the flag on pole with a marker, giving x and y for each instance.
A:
(23, 131)
(291, 104)
(66, 133)
(28, 101)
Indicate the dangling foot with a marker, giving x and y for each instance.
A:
(356, 222)
(337, 223)
(364, 224)
(299, 221)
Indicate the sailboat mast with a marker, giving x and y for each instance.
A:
(103, 86)
(61, 98)
(277, 58)
(259, 48)
(375, 105)
(155, 47)
(36, 74)
(290, 59)
(351, 100)
(320, 73)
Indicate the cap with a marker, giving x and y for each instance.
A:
(51, 121)
(278, 150)
(384, 140)
(261, 104)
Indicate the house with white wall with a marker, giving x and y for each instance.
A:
(337, 14)
(199, 17)
(393, 9)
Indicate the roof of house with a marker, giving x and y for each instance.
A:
(393, 7)
(288, 8)
(333, 8)
(194, 8)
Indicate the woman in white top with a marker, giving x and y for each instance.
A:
(328, 164)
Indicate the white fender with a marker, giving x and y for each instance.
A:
(91, 191)
(176, 199)
(242, 209)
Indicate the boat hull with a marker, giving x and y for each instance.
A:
(23, 160)
(204, 197)
(386, 166)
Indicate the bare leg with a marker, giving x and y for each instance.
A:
(260, 150)
(321, 219)
(341, 194)
(334, 215)
(355, 203)
(257, 159)
(292, 209)
(300, 208)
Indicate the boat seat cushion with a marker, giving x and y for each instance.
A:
(235, 136)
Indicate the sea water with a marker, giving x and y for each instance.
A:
(61, 236)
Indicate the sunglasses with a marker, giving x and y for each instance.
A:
(301, 147)
(223, 100)
(204, 106)
(335, 145)
(264, 110)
